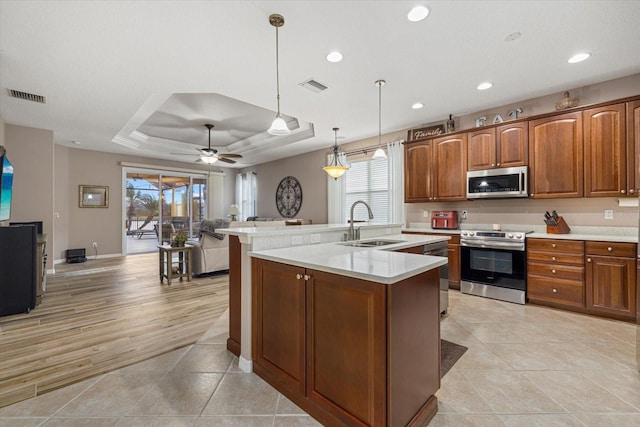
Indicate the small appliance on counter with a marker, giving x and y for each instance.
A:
(444, 220)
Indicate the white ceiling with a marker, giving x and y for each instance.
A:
(143, 78)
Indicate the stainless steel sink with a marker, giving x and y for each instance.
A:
(371, 243)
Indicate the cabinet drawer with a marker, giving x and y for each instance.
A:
(611, 249)
(559, 291)
(556, 257)
(554, 270)
(552, 245)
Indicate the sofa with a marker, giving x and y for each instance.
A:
(210, 253)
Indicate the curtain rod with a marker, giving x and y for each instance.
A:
(365, 150)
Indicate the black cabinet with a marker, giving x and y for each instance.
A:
(18, 269)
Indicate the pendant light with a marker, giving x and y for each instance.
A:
(335, 169)
(379, 154)
(279, 126)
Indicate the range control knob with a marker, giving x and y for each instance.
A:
(472, 233)
(518, 236)
(464, 233)
(510, 236)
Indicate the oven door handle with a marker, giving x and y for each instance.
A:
(494, 245)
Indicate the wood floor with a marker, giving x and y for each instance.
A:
(99, 316)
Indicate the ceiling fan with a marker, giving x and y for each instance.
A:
(210, 155)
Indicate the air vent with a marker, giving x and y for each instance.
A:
(314, 85)
(27, 96)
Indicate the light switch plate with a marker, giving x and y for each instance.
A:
(316, 238)
(296, 240)
(608, 214)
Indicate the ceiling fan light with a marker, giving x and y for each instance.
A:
(279, 127)
(208, 159)
(335, 172)
(379, 154)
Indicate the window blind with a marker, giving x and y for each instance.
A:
(368, 180)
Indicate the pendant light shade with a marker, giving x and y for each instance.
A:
(279, 126)
(379, 154)
(335, 169)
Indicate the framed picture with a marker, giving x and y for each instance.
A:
(94, 196)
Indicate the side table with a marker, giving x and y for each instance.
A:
(165, 258)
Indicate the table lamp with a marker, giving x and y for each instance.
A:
(234, 211)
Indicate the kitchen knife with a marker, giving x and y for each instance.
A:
(554, 214)
(547, 215)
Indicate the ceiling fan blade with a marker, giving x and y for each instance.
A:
(222, 159)
(229, 155)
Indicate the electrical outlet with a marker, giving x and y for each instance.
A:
(464, 214)
(425, 214)
(94, 244)
(608, 214)
(316, 238)
(296, 240)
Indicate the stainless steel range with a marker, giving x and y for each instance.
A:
(493, 264)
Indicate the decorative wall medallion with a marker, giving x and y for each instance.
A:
(289, 197)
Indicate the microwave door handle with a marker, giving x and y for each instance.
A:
(523, 185)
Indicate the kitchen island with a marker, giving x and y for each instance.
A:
(351, 334)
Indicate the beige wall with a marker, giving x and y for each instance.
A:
(31, 153)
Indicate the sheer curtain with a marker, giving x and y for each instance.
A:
(336, 194)
(395, 153)
(246, 194)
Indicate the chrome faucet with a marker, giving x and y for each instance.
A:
(355, 234)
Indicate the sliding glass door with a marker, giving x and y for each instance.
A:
(159, 204)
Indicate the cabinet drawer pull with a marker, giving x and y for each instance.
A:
(298, 276)
(588, 259)
(553, 245)
(610, 249)
(555, 291)
(553, 258)
(553, 271)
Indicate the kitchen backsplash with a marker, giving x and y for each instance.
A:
(576, 212)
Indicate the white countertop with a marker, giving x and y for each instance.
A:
(377, 264)
(265, 230)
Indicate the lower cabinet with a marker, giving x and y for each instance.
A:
(611, 279)
(453, 251)
(345, 349)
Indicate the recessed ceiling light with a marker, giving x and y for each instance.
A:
(76, 142)
(418, 13)
(513, 36)
(579, 57)
(417, 105)
(334, 56)
(484, 85)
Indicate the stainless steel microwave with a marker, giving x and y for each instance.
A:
(497, 183)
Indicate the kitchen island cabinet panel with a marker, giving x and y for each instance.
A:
(605, 151)
(346, 326)
(279, 323)
(556, 168)
(371, 350)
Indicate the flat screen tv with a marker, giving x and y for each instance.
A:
(6, 182)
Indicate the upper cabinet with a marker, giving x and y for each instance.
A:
(436, 169)
(556, 156)
(605, 154)
(502, 147)
(451, 160)
(633, 147)
(418, 169)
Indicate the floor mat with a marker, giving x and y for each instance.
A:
(449, 354)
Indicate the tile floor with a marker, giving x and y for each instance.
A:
(526, 366)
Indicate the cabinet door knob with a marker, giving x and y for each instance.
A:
(498, 164)
(622, 191)
(492, 164)
(631, 190)
(588, 259)
(555, 291)
(553, 271)
(553, 245)
(553, 258)
(298, 276)
(610, 249)
(307, 277)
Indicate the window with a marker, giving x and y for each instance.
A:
(368, 180)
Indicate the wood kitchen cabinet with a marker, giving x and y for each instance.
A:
(556, 156)
(418, 170)
(605, 151)
(611, 279)
(555, 272)
(453, 258)
(633, 147)
(344, 349)
(436, 169)
(504, 146)
(450, 177)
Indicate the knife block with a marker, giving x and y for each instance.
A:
(561, 228)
